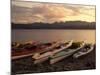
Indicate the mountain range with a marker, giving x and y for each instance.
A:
(56, 25)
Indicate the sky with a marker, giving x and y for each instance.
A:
(30, 12)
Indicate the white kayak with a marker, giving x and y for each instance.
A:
(65, 53)
(87, 49)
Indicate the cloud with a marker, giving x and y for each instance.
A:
(29, 12)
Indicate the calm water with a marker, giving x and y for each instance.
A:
(52, 35)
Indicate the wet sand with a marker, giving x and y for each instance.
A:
(26, 65)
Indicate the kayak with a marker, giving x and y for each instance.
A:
(26, 50)
(60, 47)
(87, 49)
(42, 51)
(45, 56)
(67, 52)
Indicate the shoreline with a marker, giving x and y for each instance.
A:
(26, 65)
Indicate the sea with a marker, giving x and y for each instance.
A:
(49, 35)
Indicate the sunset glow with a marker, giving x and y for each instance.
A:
(30, 12)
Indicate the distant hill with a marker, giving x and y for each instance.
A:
(56, 25)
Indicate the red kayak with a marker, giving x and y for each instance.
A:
(29, 49)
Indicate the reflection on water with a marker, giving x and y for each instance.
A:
(53, 35)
